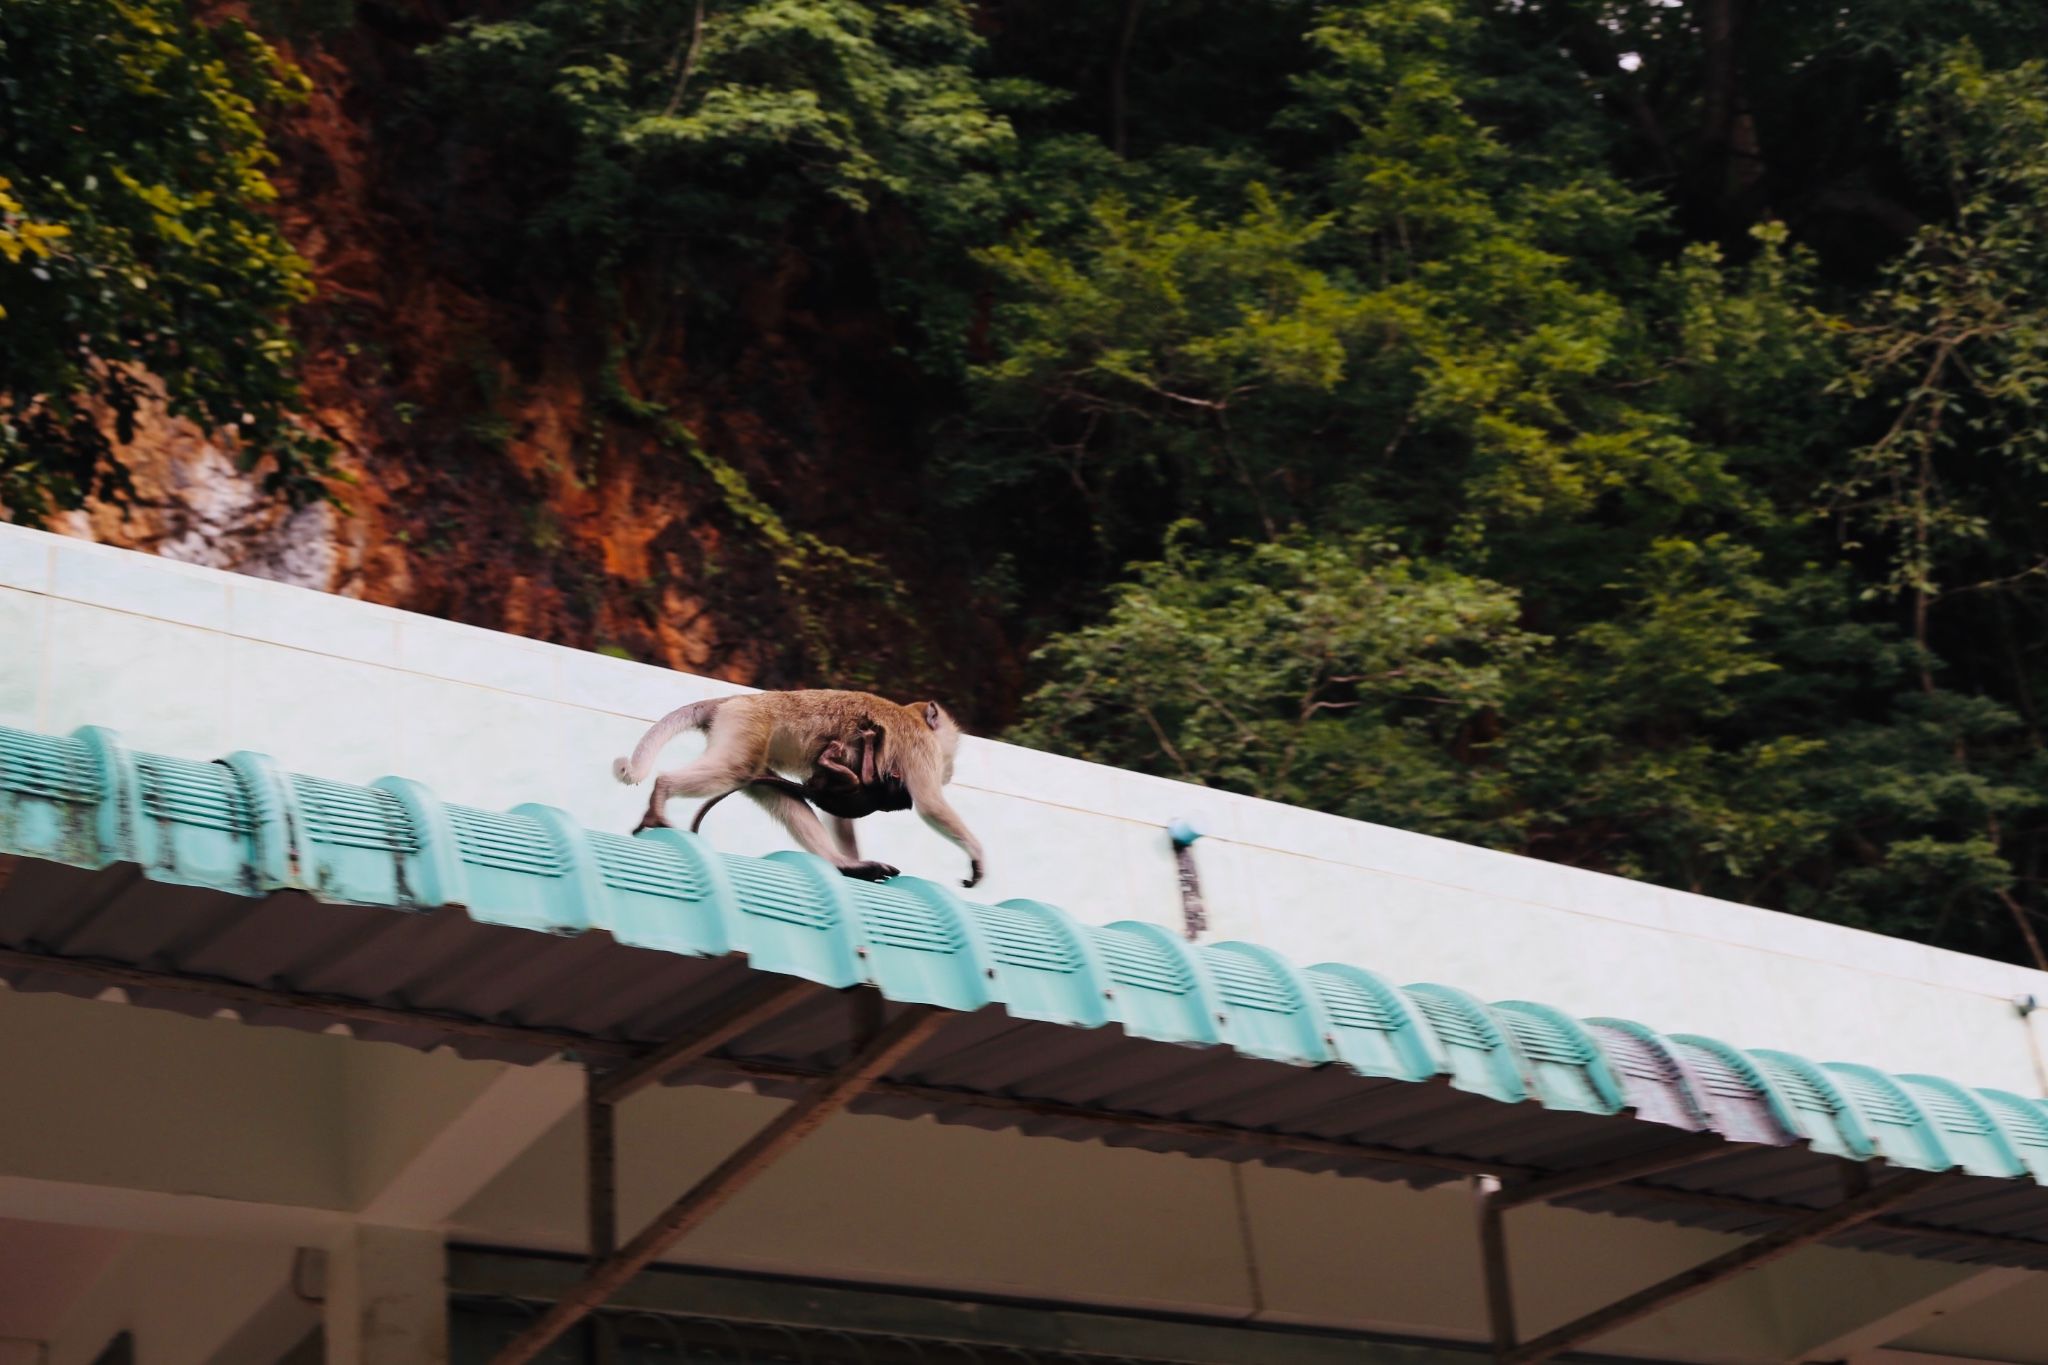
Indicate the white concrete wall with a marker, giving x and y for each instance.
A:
(198, 662)
(187, 1300)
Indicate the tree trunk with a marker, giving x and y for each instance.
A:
(1734, 155)
(1119, 71)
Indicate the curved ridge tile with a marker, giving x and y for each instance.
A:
(919, 945)
(2025, 1125)
(355, 842)
(1565, 1063)
(1741, 1101)
(275, 856)
(194, 824)
(1898, 1128)
(511, 869)
(1374, 1029)
(114, 821)
(791, 913)
(1821, 1112)
(52, 795)
(1969, 1131)
(1157, 988)
(1043, 966)
(1657, 1085)
(430, 872)
(663, 889)
(574, 900)
(1271, 1012)
(1480, 1057)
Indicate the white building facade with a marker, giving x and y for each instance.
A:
(196, 1186)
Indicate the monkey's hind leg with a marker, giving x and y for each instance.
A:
(711, 775)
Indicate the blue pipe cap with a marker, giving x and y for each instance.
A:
(1181, 832)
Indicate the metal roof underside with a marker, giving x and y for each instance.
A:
(236, 872)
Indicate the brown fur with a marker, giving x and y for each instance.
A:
(851, 780)
(764, 734)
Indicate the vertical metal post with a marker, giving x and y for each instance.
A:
(601, 1196)
(1493, 1254)
(1194, 914)
(827, 1096)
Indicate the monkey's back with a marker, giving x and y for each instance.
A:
(798, 723)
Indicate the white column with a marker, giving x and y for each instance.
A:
(387, 1298)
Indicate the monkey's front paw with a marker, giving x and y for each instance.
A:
(869, 871)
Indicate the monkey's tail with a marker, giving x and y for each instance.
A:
(705, 809)
(781, 784)
(695, 716)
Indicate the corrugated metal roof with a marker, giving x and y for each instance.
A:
(237, 872)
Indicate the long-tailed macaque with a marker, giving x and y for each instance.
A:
(765, 733)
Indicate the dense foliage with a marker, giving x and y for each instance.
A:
(1572, 476)
(661, 125)
(1604, 429)
(1613, 514)
(136, 258)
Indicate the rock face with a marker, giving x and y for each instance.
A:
(483, 479)
(192, 503)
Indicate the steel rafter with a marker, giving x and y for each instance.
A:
(1816, 1227)
(894, 1044)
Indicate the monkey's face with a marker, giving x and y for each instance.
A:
(946, 731)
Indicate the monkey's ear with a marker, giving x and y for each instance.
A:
(934, 714)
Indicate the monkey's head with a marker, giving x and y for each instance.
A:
(947, 730)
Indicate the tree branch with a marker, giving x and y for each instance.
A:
(675, 98)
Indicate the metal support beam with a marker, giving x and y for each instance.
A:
(1618, 1172)
(1764, 1250)
(944, 1097)
(600, 1194)
(773, 999)
(1764, 1208)
(1859, 1342)
(1493, 1201)
(1493, 1257)
(235, 994)
(601, 1166)
(891, 1046)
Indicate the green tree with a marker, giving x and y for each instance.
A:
(1337, 673)
(137, 254)
(1645, 448)
(1160, 361)
(1399, 313)
(670, 130)
(1953, 349)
